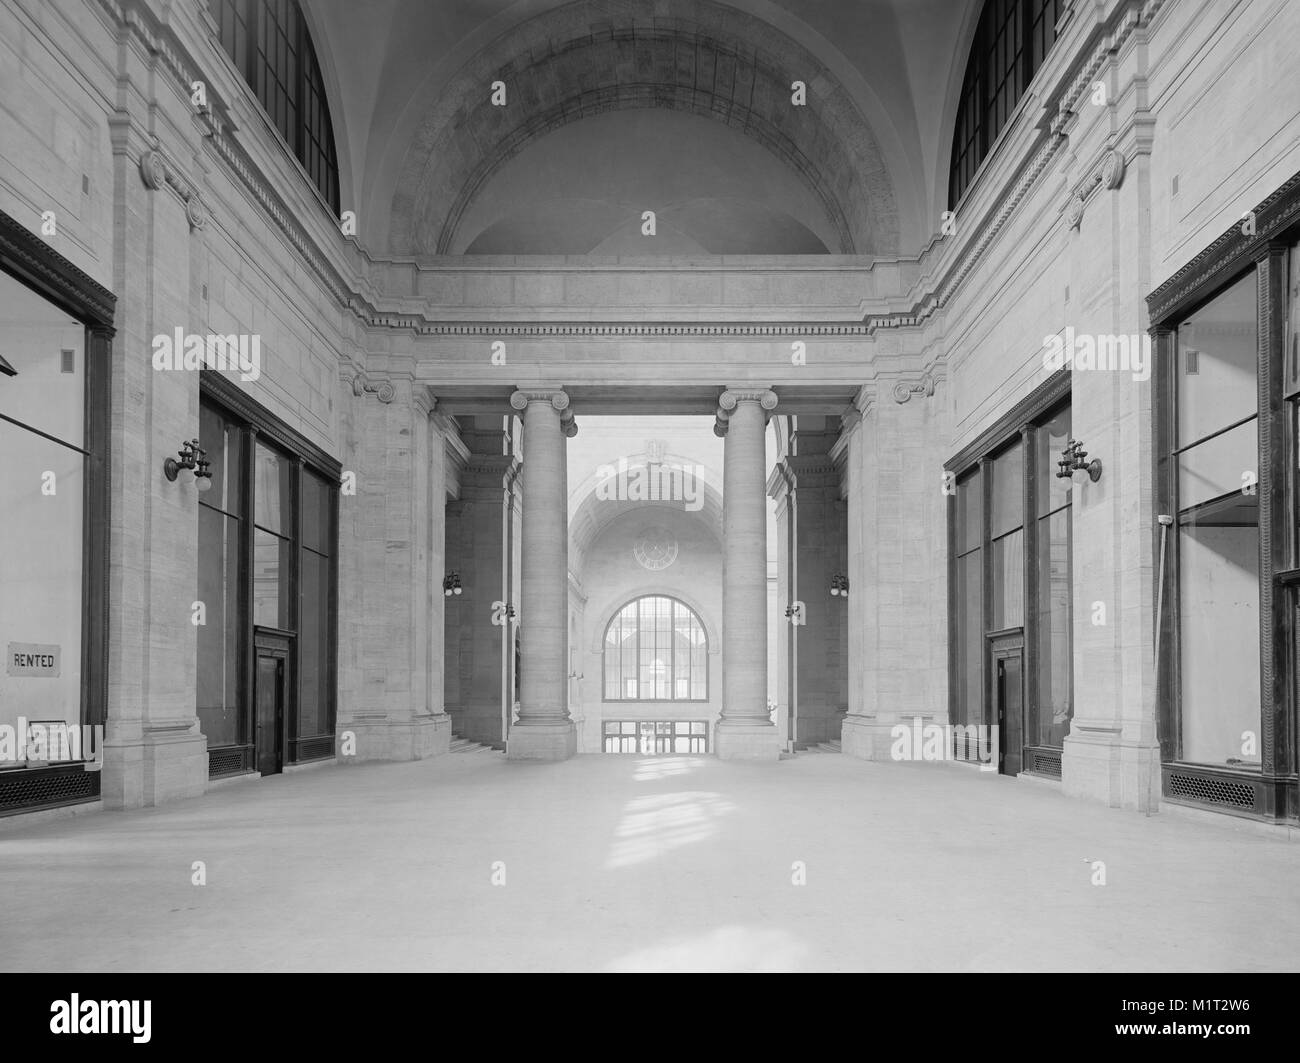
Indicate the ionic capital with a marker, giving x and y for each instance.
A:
(732, 397)
(557, 398)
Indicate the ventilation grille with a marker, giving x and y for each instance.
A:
(1211, 791)
(225, 762)
(1044, 762)
(28, 790)
(315, 748)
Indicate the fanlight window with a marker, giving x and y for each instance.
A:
(656, 650)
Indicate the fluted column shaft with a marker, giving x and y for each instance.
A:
(544, 730)
(745, 729)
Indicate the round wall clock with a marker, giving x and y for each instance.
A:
(656, 549)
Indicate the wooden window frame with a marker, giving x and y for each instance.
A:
(1019, 424)
(1224, 262)
(34, 264)
(260, 425)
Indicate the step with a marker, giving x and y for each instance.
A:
(465, 745)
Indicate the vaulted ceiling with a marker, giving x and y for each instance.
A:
(616, 107)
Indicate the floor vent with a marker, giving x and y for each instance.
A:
(31, 789)
(1044, 763)
(315, 748)
(1211, 791)
(225, 762)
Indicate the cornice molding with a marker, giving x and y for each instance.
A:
(488, 465)
(422, 326)
(1038, 402)
(812, 469)
(161, 40)
(1232, 251)
(25, 254)
(241, 403)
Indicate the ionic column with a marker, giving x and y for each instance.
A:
(544, 730)
(745, 731)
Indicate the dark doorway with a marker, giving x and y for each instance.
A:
(1006, 670)
(271, 686)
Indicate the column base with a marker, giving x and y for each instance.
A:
(873, 737)
(153, 769)
(381, 739)
(542, 741)
(747, 741)
(1106, 768)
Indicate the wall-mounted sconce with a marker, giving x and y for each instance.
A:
(794, 612)
(1074, 458)
(839, 585)
(451, 584)
(192, 459)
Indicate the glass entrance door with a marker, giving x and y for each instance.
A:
(270, 694)
(1006, 672)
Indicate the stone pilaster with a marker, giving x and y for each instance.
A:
(477, 629)
(154, 750)
(897, 540)
(744, 730)
(544, 730)
(1112, 752)
(393, 716)
(819, 540)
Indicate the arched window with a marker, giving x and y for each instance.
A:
(656, 650)
(268, 42)
(1011, 41)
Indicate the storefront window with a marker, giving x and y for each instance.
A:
(220, 575)
(314, 607)
(1011, 542)
(42, 484)
(1053, 707)
(1218, 528)
(275, 570)
(1007, 472)
(272, 546)
(970, 598)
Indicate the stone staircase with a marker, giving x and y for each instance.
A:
(464, 745)
(832, 746)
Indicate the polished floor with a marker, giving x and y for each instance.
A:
(639, 863)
